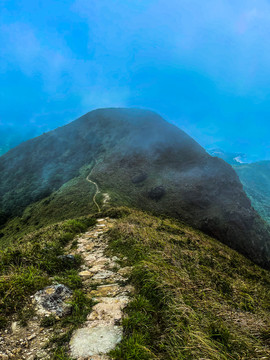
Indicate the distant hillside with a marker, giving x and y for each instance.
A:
(137, 159)
(256, 180)
(230, 158)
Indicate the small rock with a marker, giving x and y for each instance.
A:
(125, 271)
(90, 258)
(15, 327)
(4, 356)
(67, 260)
(41, 354)
(31, 337)
(85, 274)
(89, 247)
(103, 275)
(96, 268)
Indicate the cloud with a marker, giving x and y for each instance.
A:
(202, 64)
(226, 40)
(62, 73)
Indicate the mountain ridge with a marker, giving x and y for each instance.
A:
(176, 175)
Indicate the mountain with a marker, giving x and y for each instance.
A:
(137, 159)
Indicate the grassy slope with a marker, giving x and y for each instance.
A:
(72, 200)
(31, 262)
(196, 298)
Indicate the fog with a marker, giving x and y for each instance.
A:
(203, 66)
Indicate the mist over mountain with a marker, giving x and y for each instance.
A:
(230, 158)
(140, 160)
(255, 177)
(12, 134)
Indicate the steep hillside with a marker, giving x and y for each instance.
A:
(191, 297)
(139, 160)
(255, 178)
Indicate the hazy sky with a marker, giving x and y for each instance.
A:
(203, 65)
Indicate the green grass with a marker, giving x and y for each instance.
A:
(32, 263)
(195, 297)
(72, 200)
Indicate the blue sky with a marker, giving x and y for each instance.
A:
(203, 65)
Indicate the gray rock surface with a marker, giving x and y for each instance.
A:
(51, 300)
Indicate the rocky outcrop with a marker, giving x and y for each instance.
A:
(52, 300)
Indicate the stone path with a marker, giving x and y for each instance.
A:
(104, 281)
(102, 330)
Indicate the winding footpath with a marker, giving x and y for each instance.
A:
(96, 186)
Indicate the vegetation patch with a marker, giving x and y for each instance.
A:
(195, 297)
(36, 261)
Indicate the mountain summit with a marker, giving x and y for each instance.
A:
(139, 160)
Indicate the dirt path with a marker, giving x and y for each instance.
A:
(102, 330)
(96, 186)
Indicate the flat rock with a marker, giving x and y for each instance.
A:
(108, 310)
(90, 258)
(95, 341)
(97, 268)
(102, 261)
(106, 290)
(105, 274)
(85, 274)
(89, 247)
